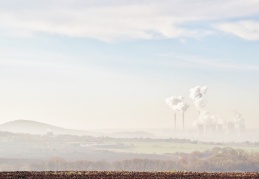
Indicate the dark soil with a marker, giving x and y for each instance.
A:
(124, 175)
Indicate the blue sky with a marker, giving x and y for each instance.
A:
(111, 64)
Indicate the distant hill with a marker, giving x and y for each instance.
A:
(34, 127)
(134, 134)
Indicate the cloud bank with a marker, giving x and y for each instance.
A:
(119, 20)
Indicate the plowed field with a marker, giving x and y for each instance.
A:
(124, 175)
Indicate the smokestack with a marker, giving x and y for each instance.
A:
(177, 104)
(183, 108)
(173, 102)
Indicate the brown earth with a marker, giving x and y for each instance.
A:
(124, 175)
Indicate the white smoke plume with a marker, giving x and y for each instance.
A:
(197, 95)
(207, 118)
(182, 107)
(199, 103)
(178, 105)
(173, 102)
(198, 92)
(209, 122)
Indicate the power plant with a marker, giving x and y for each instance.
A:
(207, 123)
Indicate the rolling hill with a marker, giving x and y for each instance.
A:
(34, 127)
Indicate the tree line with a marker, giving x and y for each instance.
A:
(215, 160)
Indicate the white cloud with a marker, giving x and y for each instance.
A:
(116, 20)
(101, 23)
(248, 30)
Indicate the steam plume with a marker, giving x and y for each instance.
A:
(183, 108)
(173, 102)
(178, 105)
(197, 95)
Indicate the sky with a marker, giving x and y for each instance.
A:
(112, 63)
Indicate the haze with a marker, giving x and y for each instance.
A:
(108, 64)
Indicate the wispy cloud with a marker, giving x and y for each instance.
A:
(118, 20)
(248, 30)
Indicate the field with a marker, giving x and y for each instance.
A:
(125, 175)
(86, 153)
(164, 147)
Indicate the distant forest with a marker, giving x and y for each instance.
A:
(216, 160)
